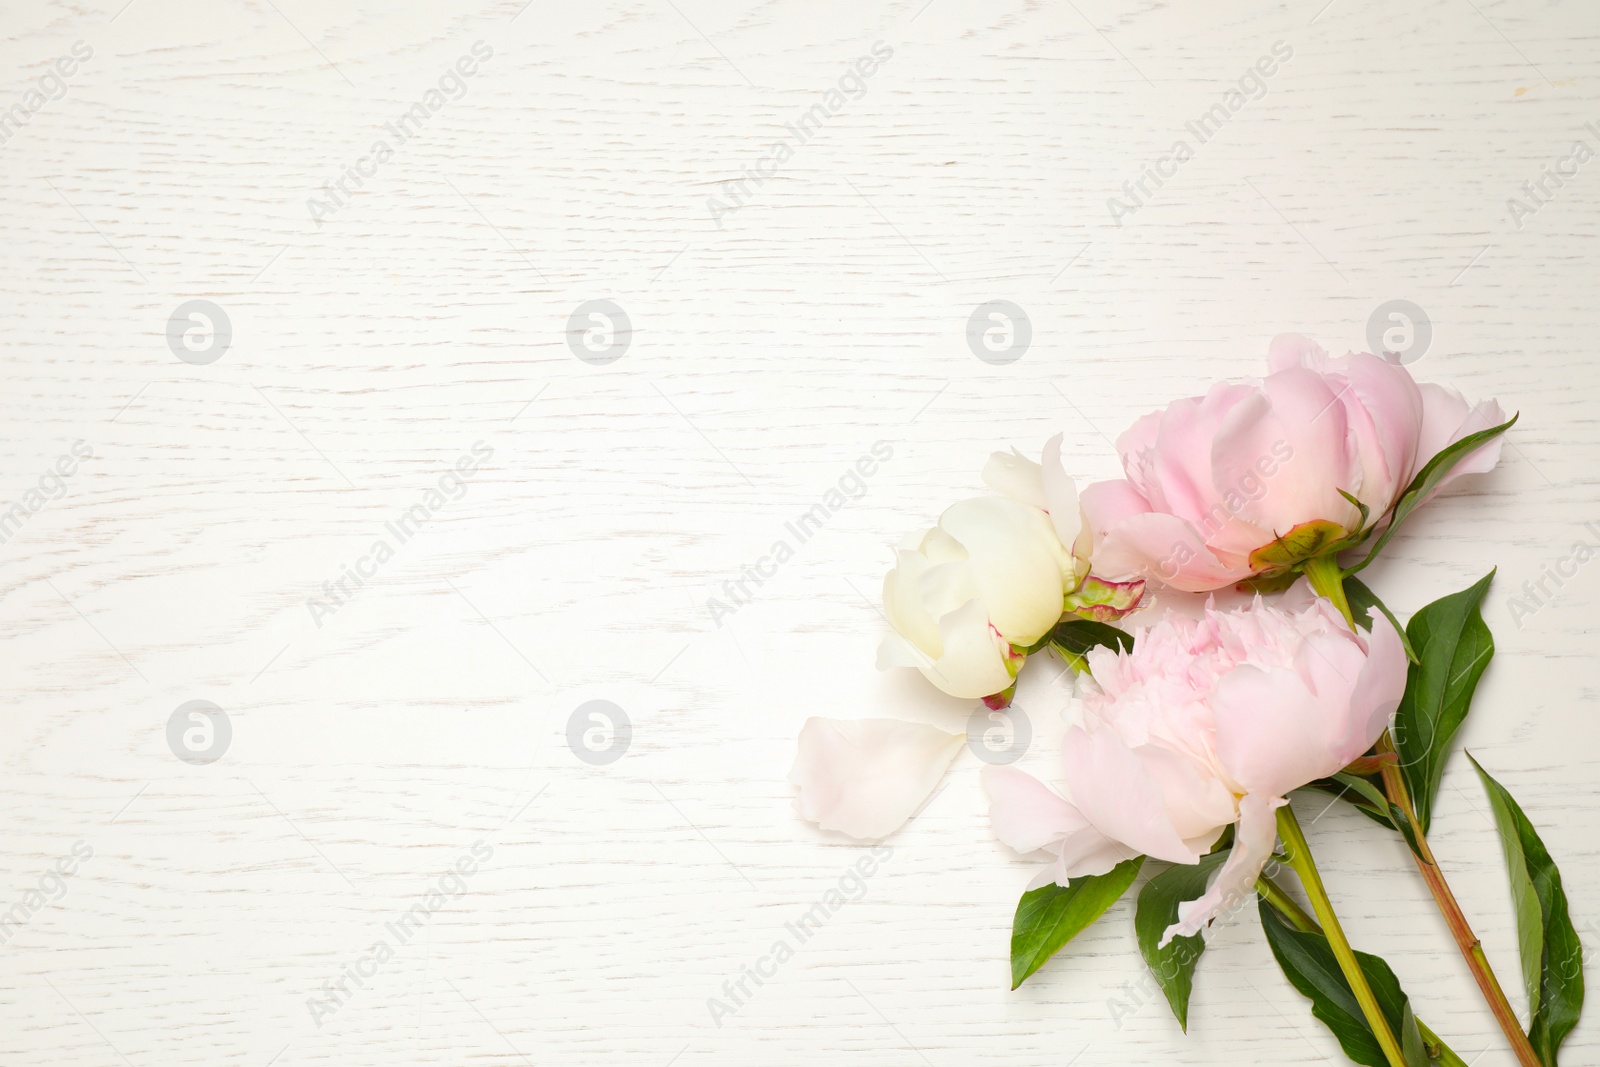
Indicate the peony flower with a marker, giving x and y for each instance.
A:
(1213, 482)
(968, 597)
(1207, 723)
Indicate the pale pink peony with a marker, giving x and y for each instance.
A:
(1212, 480)
(1207, 723)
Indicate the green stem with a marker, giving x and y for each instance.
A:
(1299, 856)
(1290, 909)
(1460, 929)
(1328, 580)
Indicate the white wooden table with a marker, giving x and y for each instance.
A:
(377, 338)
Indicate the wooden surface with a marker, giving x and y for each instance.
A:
(373, 747)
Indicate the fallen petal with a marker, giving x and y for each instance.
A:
(866, 777)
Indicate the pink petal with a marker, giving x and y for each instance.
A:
(1182, 459)
(1164, 548)
(1026, 814)
(1447, 419)
(1386, 420)
(1118, 795)
(1088, 852)
(1278, 728)
(1308, 421)
(1257, 832)
(1378, 690)
(1106, 504)
(865, 777)
(1294, 350)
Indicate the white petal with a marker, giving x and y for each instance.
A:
(1060, 494)
(1016, 476)
(973, 664)
(944, 588)
(906, 607)
(896, 651)
(1016, 563)
(865, 777)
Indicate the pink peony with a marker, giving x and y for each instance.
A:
(1213, 481)
(1207, 723)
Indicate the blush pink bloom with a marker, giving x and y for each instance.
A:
(1206, 724)
(1214, 478)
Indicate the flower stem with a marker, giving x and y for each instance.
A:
(1471, 948)
(1299, 856)
(1300, 920)
(1328, 580)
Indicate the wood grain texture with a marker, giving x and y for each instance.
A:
(429, 313)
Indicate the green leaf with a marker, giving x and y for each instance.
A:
(1397, 816)
(1050, 916)
(1411, 1045)
(1370, 801)
(1358, 800)
(1173, 966)
(1362, 600)
(1073, 638)
(1309, 964)
(1371, 793)
(1552, 955)
(1453, 647)
(1427, 480)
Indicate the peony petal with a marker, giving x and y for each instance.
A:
(1294, 350)
(1386, 420)
(1026, 814)
(1198, 804)
(1060, 494)
(1447, 419)
(1306, 432)
(1106, 504)
(1184, 458)
(896, 651)
(1088, 852)
(905, 605)
(1116, 793)
(866, 777)
(1016, 563)
(1252, 846)
(1016, 476)
(1379, 689)
(944, 587)
(1278, 728)
(974, 661)
(1166, 549)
